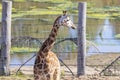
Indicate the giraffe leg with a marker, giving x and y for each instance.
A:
(36, 78)
(56, 75)
(48, 77)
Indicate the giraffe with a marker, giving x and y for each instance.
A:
(47, 66)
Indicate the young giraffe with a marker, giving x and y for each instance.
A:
(47, 66)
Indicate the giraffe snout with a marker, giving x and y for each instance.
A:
(73, 26)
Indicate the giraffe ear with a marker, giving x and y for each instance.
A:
(64, 13)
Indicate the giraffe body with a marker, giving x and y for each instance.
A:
(50, 68)
(47, 66)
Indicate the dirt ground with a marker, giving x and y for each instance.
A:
(92, 72)
(88, 77)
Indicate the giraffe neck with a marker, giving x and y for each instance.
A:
(49, 42)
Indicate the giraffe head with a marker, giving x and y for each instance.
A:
(66, 21)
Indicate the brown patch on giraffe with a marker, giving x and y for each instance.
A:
(36, 77)
(48, 76)
(42, 55)
(45, 65)
(39, 65)
(40, 72)
(42, 61)
(55, 29)
(56, 22)
(45, 50)
(35, 72)
(38, 59)
(56, 25)
(51, 40)
(46, 71)
(52, 36)
(47, 60)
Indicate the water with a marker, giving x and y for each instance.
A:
(105, 35)
(20, 58)
(105, 40)
(72, 32)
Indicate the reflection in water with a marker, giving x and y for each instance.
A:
(105, 34)
(20, 58)
(105, 39)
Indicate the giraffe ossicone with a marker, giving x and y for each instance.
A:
(47, 65)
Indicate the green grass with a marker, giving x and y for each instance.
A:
(35, 12)
(0, 10)
(50, 10)
(60, 5)
(117, 36)
(53, 1)
(98, 15)
(23, 50)
(14, 77)
(19, 0)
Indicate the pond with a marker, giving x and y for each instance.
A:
(105, 39)
(18, 59)
(101, 32)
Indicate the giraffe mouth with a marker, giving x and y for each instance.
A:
(73, 27)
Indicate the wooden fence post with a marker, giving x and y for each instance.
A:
(6, 38)
(81, 39)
